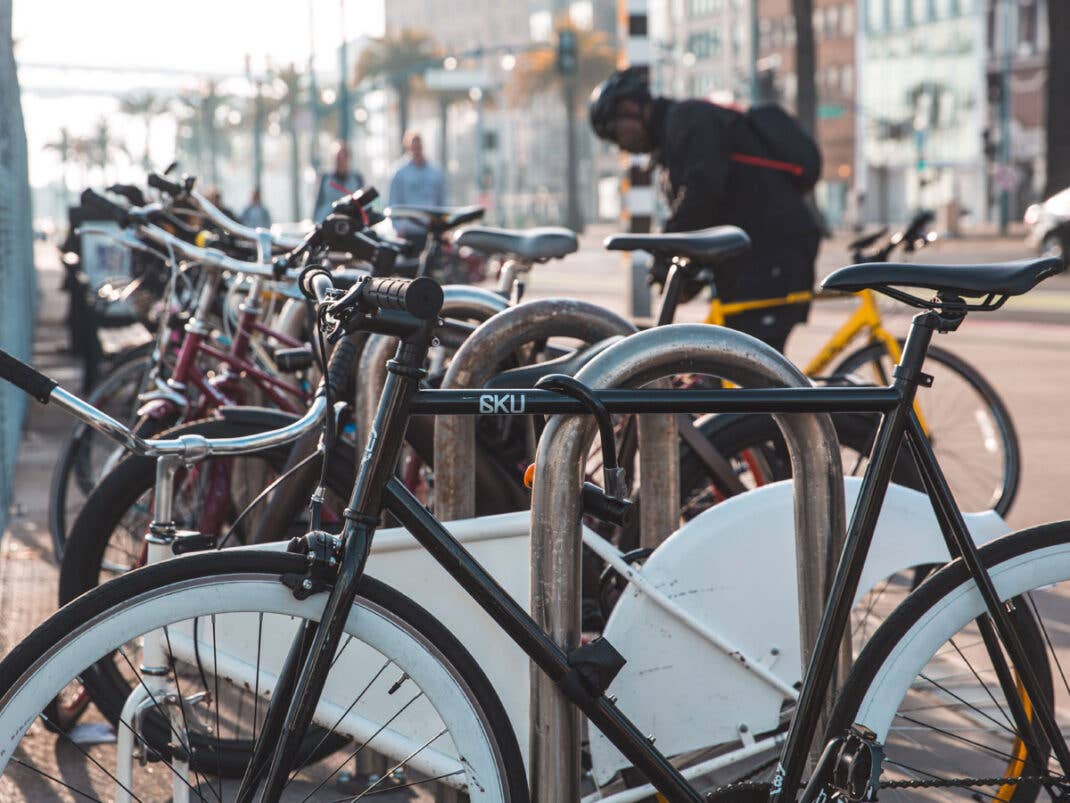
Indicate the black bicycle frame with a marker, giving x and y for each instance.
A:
(376, 488)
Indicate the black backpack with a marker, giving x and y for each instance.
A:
(787, 146)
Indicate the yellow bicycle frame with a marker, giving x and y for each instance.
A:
(865, 319)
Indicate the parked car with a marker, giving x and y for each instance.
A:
(1049, 225)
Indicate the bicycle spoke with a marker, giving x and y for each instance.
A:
(357, 752)
(54, 779)
(345, 713)
(182, 706)
(394, 769)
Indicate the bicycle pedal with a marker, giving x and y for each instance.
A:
(856, 770)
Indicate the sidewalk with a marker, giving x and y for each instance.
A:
(28, 574)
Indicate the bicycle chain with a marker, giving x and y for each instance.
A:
(931, 783)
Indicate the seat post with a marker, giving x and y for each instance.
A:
(671, 299)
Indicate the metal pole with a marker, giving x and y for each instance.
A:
(755, 43)
(343, 77)
(479, 359)
(555, 511)
(313, 93)
(1005, 12)
(258, 133)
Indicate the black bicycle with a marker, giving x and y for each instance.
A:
(331, 647)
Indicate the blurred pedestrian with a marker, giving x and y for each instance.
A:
(719, 166)
(341, 181)
(255, 215)
(215, 198)
(416, 182)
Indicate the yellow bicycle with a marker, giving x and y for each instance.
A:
(969, 425)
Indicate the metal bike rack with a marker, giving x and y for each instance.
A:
(480, 358)
(460, 301)
(555, 512)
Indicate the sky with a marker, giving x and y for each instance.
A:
(183, 39)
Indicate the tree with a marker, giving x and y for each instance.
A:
(290, 79)
(148, 106)
(805, 64)
(1058, 90)
(104, 148)
(199, 110)
(539, 71)
(17, 275)
(399, 61)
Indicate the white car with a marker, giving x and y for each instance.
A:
(1049, 225)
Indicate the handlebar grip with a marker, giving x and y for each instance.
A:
(26, 377)
(102, 206)
(421, 297)
(340, 365)
(172, 188)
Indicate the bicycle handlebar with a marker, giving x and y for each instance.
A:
(26, 377)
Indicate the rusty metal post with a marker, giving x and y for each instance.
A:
(555, 513)
(479, 359)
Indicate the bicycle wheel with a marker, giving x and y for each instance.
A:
(754, 446)
(970, 428)
(107, 538)
(930, 644)
(86, 455)
(401, 686)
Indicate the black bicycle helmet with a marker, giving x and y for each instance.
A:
(630, 83)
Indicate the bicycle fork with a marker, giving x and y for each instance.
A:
(288, 720)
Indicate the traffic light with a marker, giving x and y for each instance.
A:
(566, 52)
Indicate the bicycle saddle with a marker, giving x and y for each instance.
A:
(866, 240)
(997, 278)
(705, 246)
(569, 364)
(538, 245)
(436, 219)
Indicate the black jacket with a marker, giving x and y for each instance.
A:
(693, 142)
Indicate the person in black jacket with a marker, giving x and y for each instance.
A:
(699, 147)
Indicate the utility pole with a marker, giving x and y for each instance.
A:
(1004, 22)
(755, 43)
(313, 93)
(343, 78)
(567, 63)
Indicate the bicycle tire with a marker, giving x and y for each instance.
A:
(736, 433)
(1003, 495)
(85, 565)
(72, 461)
(200, 586)
(1022, 564)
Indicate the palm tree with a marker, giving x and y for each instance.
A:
(16, 253)
(1058, 114)
(148, 106)
(199, 111)
(538, 70)
(399, 61)
(290, 79)
(104, 148)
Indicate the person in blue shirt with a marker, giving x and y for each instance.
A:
(416, 183)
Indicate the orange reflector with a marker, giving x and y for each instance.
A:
(529, 476)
